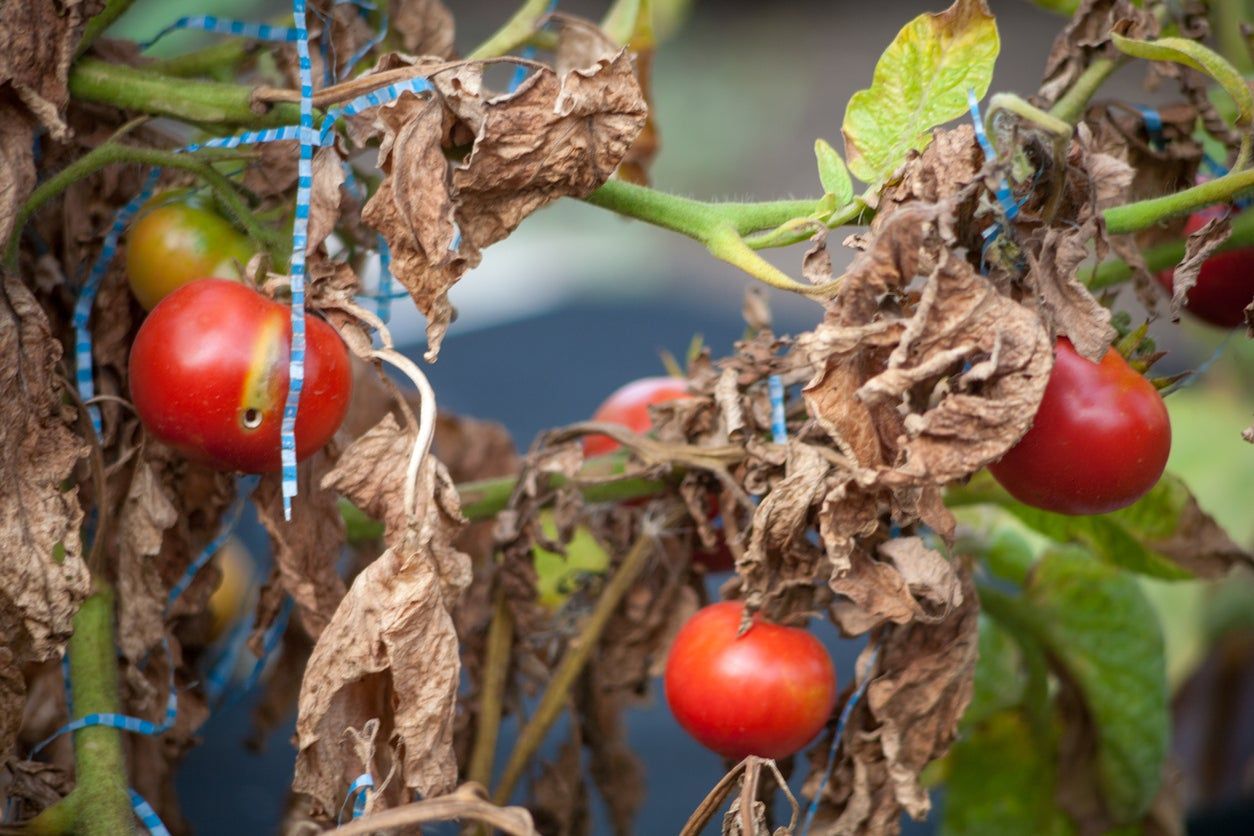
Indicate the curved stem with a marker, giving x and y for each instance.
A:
(97, 25)
(515, 31)
(1071, 106)
(144, 91)
(495, 676)
(482, 500)
(99, 763)
(1143, 214)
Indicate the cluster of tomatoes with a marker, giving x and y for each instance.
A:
(209, 376)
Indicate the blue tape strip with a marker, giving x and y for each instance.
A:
(223, 667)
(779, 426)
(385, 292)
(1153, 125)
(269, 643)
(147, 816)
(529, 52)
(364, 49)
(244, 486)
(226, 26)
(837, 736)
(362, 784)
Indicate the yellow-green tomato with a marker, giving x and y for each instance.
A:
(226, 604)
(176, 240)
(559, 576)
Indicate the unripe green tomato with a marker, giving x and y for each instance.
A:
(557, 576)
(176, 240)
(226, 604)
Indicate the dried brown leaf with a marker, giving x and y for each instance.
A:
(146, 513)
(1067, 308)
(1200, 245)
(17, 161)
(909, 582)
(324, 199)
(1086, 37)
(371, 474)
(37, 42)
(43, 577)
(12, 701)
(425, 27)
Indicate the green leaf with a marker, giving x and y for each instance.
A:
(1001, 783)
(1100, 629)
(1062, 7)
(833, 174)
(359, 528)
(1000, 678)
(1201, 58)
(920, 81)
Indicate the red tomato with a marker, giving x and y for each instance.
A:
(208, 376)
(629, 407)
(175, 241)
(1225, 284)
(1099, 441)
(766, 693)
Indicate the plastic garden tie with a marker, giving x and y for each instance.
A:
(147, 816)
(136, 725)
(300, 235)
(224, 665)
(386, 295)
(244, 486)
(362, 784)
(227, 26)
(1153, 125)
(1005, 197)
(779, 425)
(87, 296)
(269, 643)
(528, 52)
(841, 722)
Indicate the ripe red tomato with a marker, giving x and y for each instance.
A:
(175, 240)
(208, 376)
(1225, 285)
(1099, 441)
(629, 406)
(766, 693)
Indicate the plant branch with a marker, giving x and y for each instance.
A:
(466, 802)
(56, 820)
(97, 25)
(484, 499)
(1143, 214)
(211, 60)
(572, 664)
(1226, 26)
(146, 91)
(1071, 106)
(514, 33)
(495, 675)
(99, 764)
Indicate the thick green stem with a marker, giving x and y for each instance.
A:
(97, 25)
(484, 499)
(568, 670)
(1134, 217)
(1165, 255)
(1071, 106)
(99, 764)
(696, 218)
(113, 154)
(56, 820)
(209, 61)
(514, 33)
(146, 91)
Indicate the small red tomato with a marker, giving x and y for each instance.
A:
(176, 240)
(1225, 284)
(208, 374)
(1098, 443)
(629, 407)
(766, 693)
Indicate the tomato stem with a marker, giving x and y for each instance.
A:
(1133, 217)
(1070, 107)
(1165, 255)
(97, 25)
(492, 690)
(514, 32)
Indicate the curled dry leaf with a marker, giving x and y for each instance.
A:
(12, 701)
(43, 577)
(1066, 306)
(556, 135)
(16, 159)
(1199, 247)
(37, 43)
(425, 27)
(146, 513)
(922, 684)
(909, 582)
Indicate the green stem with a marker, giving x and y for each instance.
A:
(697, 219)
(1165, 255)
(113, 154)
(573, 661)
(514, 33)
(1071, 106)
(1228, 17)
(210, 60)
(97, 25)
(146, 91)
(1134, 217)
(482, 500)
(56, 820)
(99, 764)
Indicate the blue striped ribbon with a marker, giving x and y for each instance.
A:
(226, 26)
(147, 816)
(362, 784)
(779, 424)
(223, 667)
(1153, 125)
(380, 33)
(269, 643)
(837, 735)
(528, 52)
(244, 486)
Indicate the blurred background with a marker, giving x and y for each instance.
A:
(578, 301)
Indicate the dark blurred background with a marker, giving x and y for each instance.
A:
(578, 301)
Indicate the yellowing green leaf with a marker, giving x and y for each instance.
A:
(833, 174)
(920, 81)
(1201, 58)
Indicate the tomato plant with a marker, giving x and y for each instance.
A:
(1225, 284)
(628, 406)
(177, 239)
(208, 372)
(557, 575)
(766, 693)
(1099, 441)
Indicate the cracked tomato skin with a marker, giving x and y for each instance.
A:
(208, 375)
(766, 693)
(176, 241)
(1225, 284)
(1099, 441)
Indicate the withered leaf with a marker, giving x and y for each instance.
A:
(37, 43)
(1087, 36)
(1066, 305)
(910, 582)
(425, 27)
(1200, 245)
(922, 684)
(307, 548)
(17, 161)
(12, 701)
(390, 652)
(554, 136)
(146, 513)
(371, 473)
(43, 577)
(324, 200)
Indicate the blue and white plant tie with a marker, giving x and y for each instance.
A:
(361, 787)
(147, 816)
